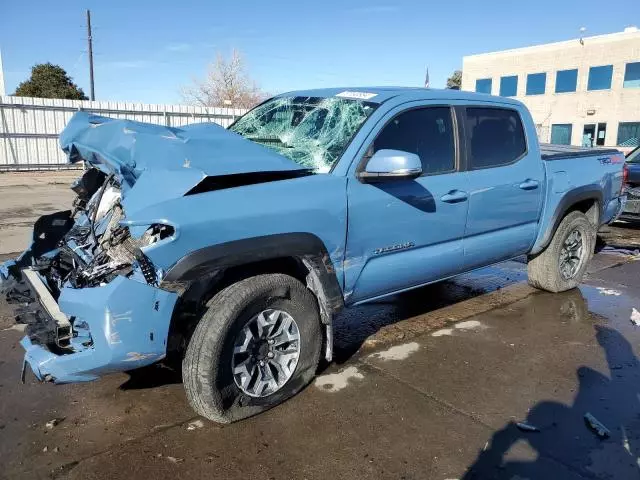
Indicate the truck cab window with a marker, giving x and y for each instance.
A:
(427, 132)
(495, 137)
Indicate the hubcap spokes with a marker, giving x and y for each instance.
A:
(265, 353)
(571, 254)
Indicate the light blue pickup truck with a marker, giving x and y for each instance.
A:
(233, 249)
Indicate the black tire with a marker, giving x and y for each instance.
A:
(207, 366)
(544, 268)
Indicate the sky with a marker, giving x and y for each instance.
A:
(147, 51)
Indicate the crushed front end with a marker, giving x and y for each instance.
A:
(86, 291)
(90, 286)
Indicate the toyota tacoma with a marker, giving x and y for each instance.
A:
(233, 249)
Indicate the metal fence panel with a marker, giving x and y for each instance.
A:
(29, 127)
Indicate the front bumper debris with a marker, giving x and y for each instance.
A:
(119, 326)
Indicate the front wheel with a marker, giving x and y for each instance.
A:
(257, 344)
(562, 264)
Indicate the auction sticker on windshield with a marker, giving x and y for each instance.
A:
(357, 95)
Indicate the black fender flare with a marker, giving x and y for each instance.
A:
(309, 248)
(568, 201)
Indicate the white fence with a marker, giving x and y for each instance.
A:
(29, 127)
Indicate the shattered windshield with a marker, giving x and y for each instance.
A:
(311, 131)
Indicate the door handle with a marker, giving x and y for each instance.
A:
(529, 184)
(455, 196)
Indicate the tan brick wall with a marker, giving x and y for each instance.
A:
(610, 106)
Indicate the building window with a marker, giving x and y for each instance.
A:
(600, 77)
(483, 85)
(508, 86)
(561, 133)
(566, 80)
(632, 75)
(629, 134)
(536, 83)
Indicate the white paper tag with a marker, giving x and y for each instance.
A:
(357, 95)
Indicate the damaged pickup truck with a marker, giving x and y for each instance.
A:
(233, 249)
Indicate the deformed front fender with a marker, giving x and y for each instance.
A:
(306, 246)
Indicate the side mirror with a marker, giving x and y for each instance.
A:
(387, 165)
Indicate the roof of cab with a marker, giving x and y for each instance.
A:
(382, 94)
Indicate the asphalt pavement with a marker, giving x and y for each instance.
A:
(480, 377)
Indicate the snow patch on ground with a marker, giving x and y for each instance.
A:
(19, 327)
(635, 317)
(334, 382)
(399, 352)
(609, 291)
(195, 425)
(443, 332)
(466, 325)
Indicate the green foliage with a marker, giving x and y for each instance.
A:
(49, 81)
(454, 82)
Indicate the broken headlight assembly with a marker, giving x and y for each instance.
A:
(120, 252)
(151, 237)
(156, 233)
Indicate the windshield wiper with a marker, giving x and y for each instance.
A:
(269, 140)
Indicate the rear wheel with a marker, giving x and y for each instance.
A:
(562, 264)
(257, 344)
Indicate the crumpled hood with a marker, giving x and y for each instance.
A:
(130, 148)
(164, 162)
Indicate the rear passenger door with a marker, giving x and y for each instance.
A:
(505, 186)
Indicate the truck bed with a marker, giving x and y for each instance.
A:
(558, 152)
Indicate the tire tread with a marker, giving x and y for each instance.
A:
(543, 271)
(207, 341)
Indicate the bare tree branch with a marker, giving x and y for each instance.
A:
(226, 84)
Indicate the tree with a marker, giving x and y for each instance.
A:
(454, 82)
(49, 81)
(226, 84)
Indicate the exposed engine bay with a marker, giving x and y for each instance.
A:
(84, 247)
(94, 287)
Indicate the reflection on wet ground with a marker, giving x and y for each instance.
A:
(565, 444)
(356, 324)
(563, 431)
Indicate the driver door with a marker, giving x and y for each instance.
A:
(403, 233)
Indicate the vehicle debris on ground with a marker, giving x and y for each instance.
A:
(526, 427)
(597, 426)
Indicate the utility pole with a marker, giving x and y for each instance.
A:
(90, 41)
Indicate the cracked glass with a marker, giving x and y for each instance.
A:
(311, 131)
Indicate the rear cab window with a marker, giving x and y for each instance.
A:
(495, 137)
